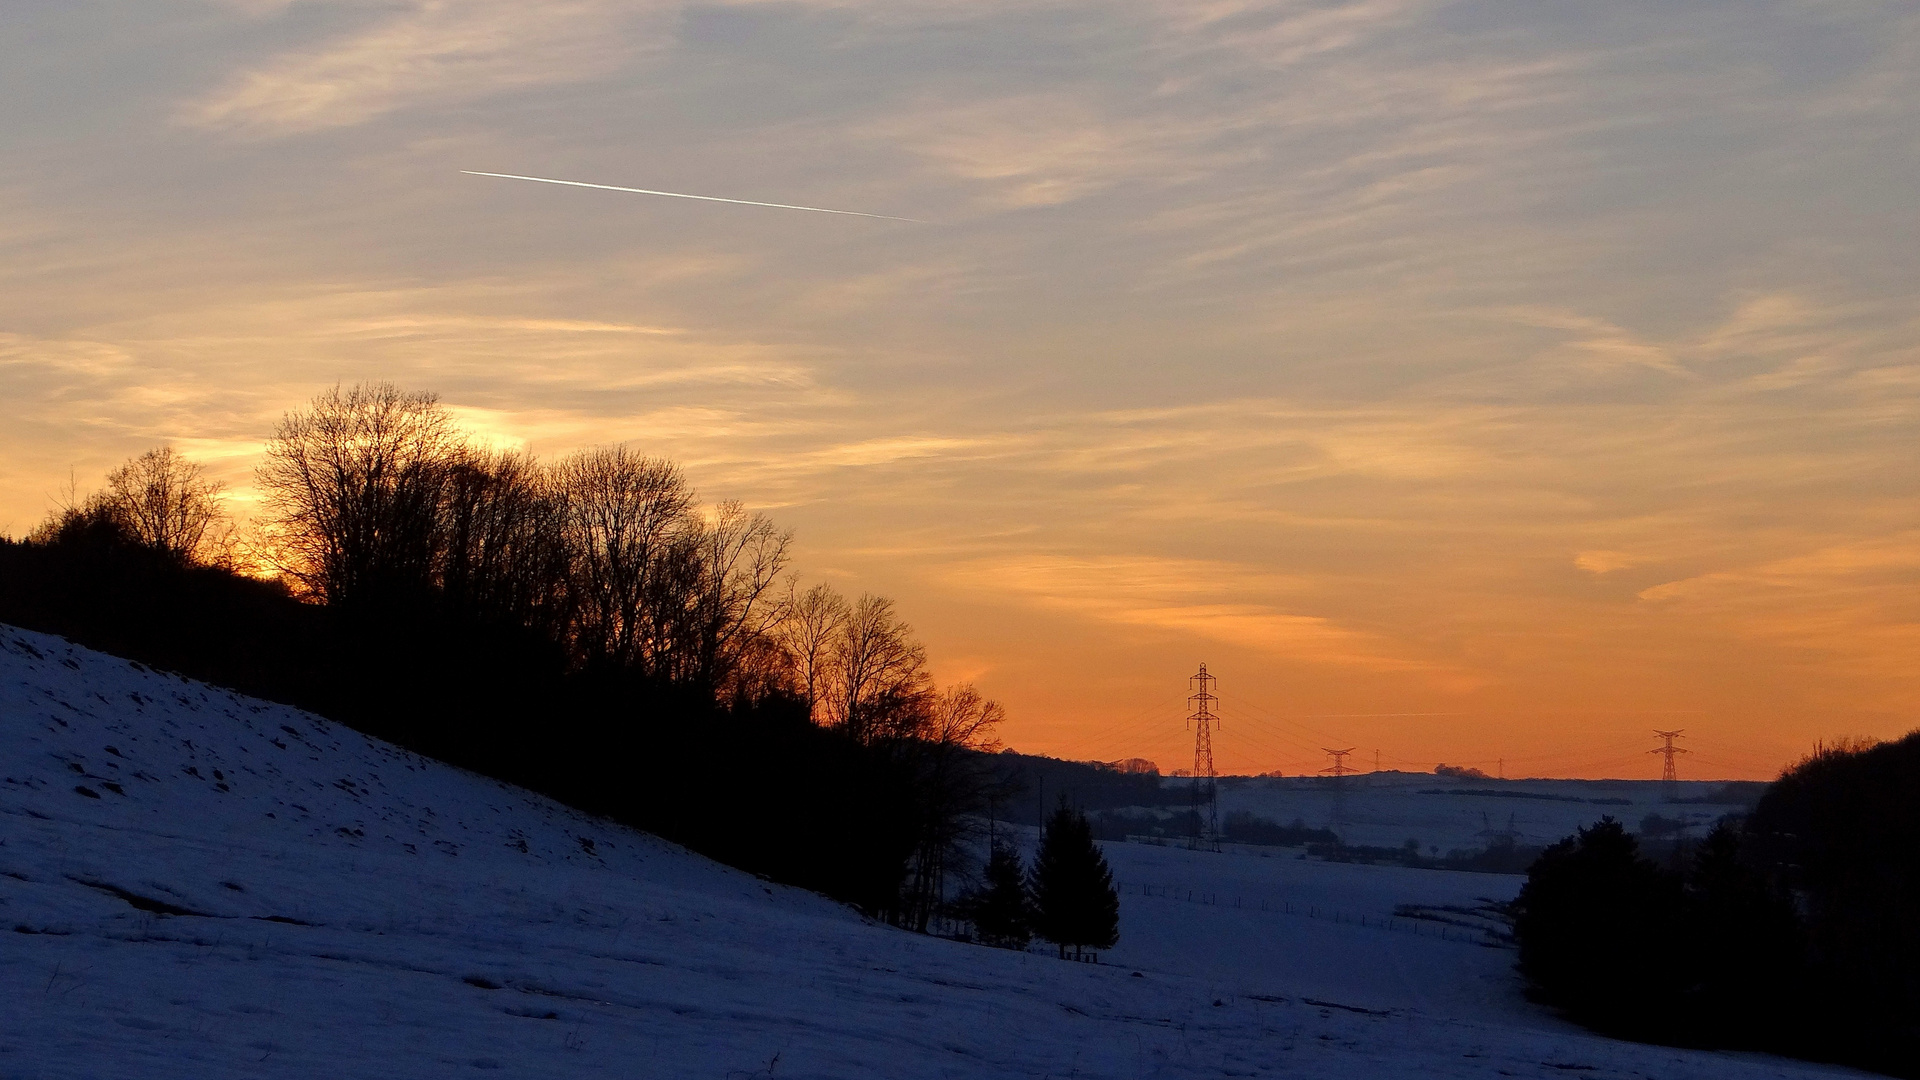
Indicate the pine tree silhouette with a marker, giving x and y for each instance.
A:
(1001, 914)
(1074, 902)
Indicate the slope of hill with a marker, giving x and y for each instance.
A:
(197, 884)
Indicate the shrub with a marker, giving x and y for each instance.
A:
(1597, 926)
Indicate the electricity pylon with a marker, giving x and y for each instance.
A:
(1206, 801)
(1667, 774)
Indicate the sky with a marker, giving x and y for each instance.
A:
(1463, 381)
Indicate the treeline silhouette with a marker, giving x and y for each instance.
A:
(1794, 930)
(1085, 785)
(586, 629)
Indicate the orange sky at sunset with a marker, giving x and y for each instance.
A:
(1466, 380)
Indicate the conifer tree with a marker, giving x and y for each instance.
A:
(1001, 914)
(1074, 902)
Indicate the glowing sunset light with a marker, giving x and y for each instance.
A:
(1471, 382)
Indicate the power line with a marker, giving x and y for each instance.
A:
(1285, 741)
(1125, 733)
(1252, 728)
(1281, 754)
(1774, 767)
(1250, 706)
(1316, 733)
(1282, 748)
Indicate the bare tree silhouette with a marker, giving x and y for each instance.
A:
(812, 624)
(166, 502)
(160, 501)
(880, 684)
(355, 485)
(630, 535)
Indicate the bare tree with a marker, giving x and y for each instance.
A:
(950, 785)
(961, 717)
(354, 486)
(159, 500)
(761, 669)
(741, 556)
(506, 556)
(809, 632)
(627, 525)
(166, 502)
(881, 687)
(607, 553)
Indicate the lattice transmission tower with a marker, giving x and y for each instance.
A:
(1337, 813)
(1206, 801)
(1668, 776)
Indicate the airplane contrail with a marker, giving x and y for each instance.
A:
(681, 195)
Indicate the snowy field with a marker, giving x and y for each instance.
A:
(202, 885)
(1289, 926)
(1388, 809)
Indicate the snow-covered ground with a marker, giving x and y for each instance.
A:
(1388, 809)
(198, 884)
(1323, 930)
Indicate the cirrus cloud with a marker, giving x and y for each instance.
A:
(433, 52)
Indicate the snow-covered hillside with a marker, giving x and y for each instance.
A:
(198, 884)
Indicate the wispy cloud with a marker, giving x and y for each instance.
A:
(1847, 604)
(431, 52)
(1392, 350)
(1602, 344)
(1605, 562)
(1184, 597)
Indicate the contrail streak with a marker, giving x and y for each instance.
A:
(702, 198)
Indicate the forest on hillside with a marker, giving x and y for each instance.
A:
(587, 628)
(1794, 928)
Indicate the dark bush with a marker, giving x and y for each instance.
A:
(1598, 928)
